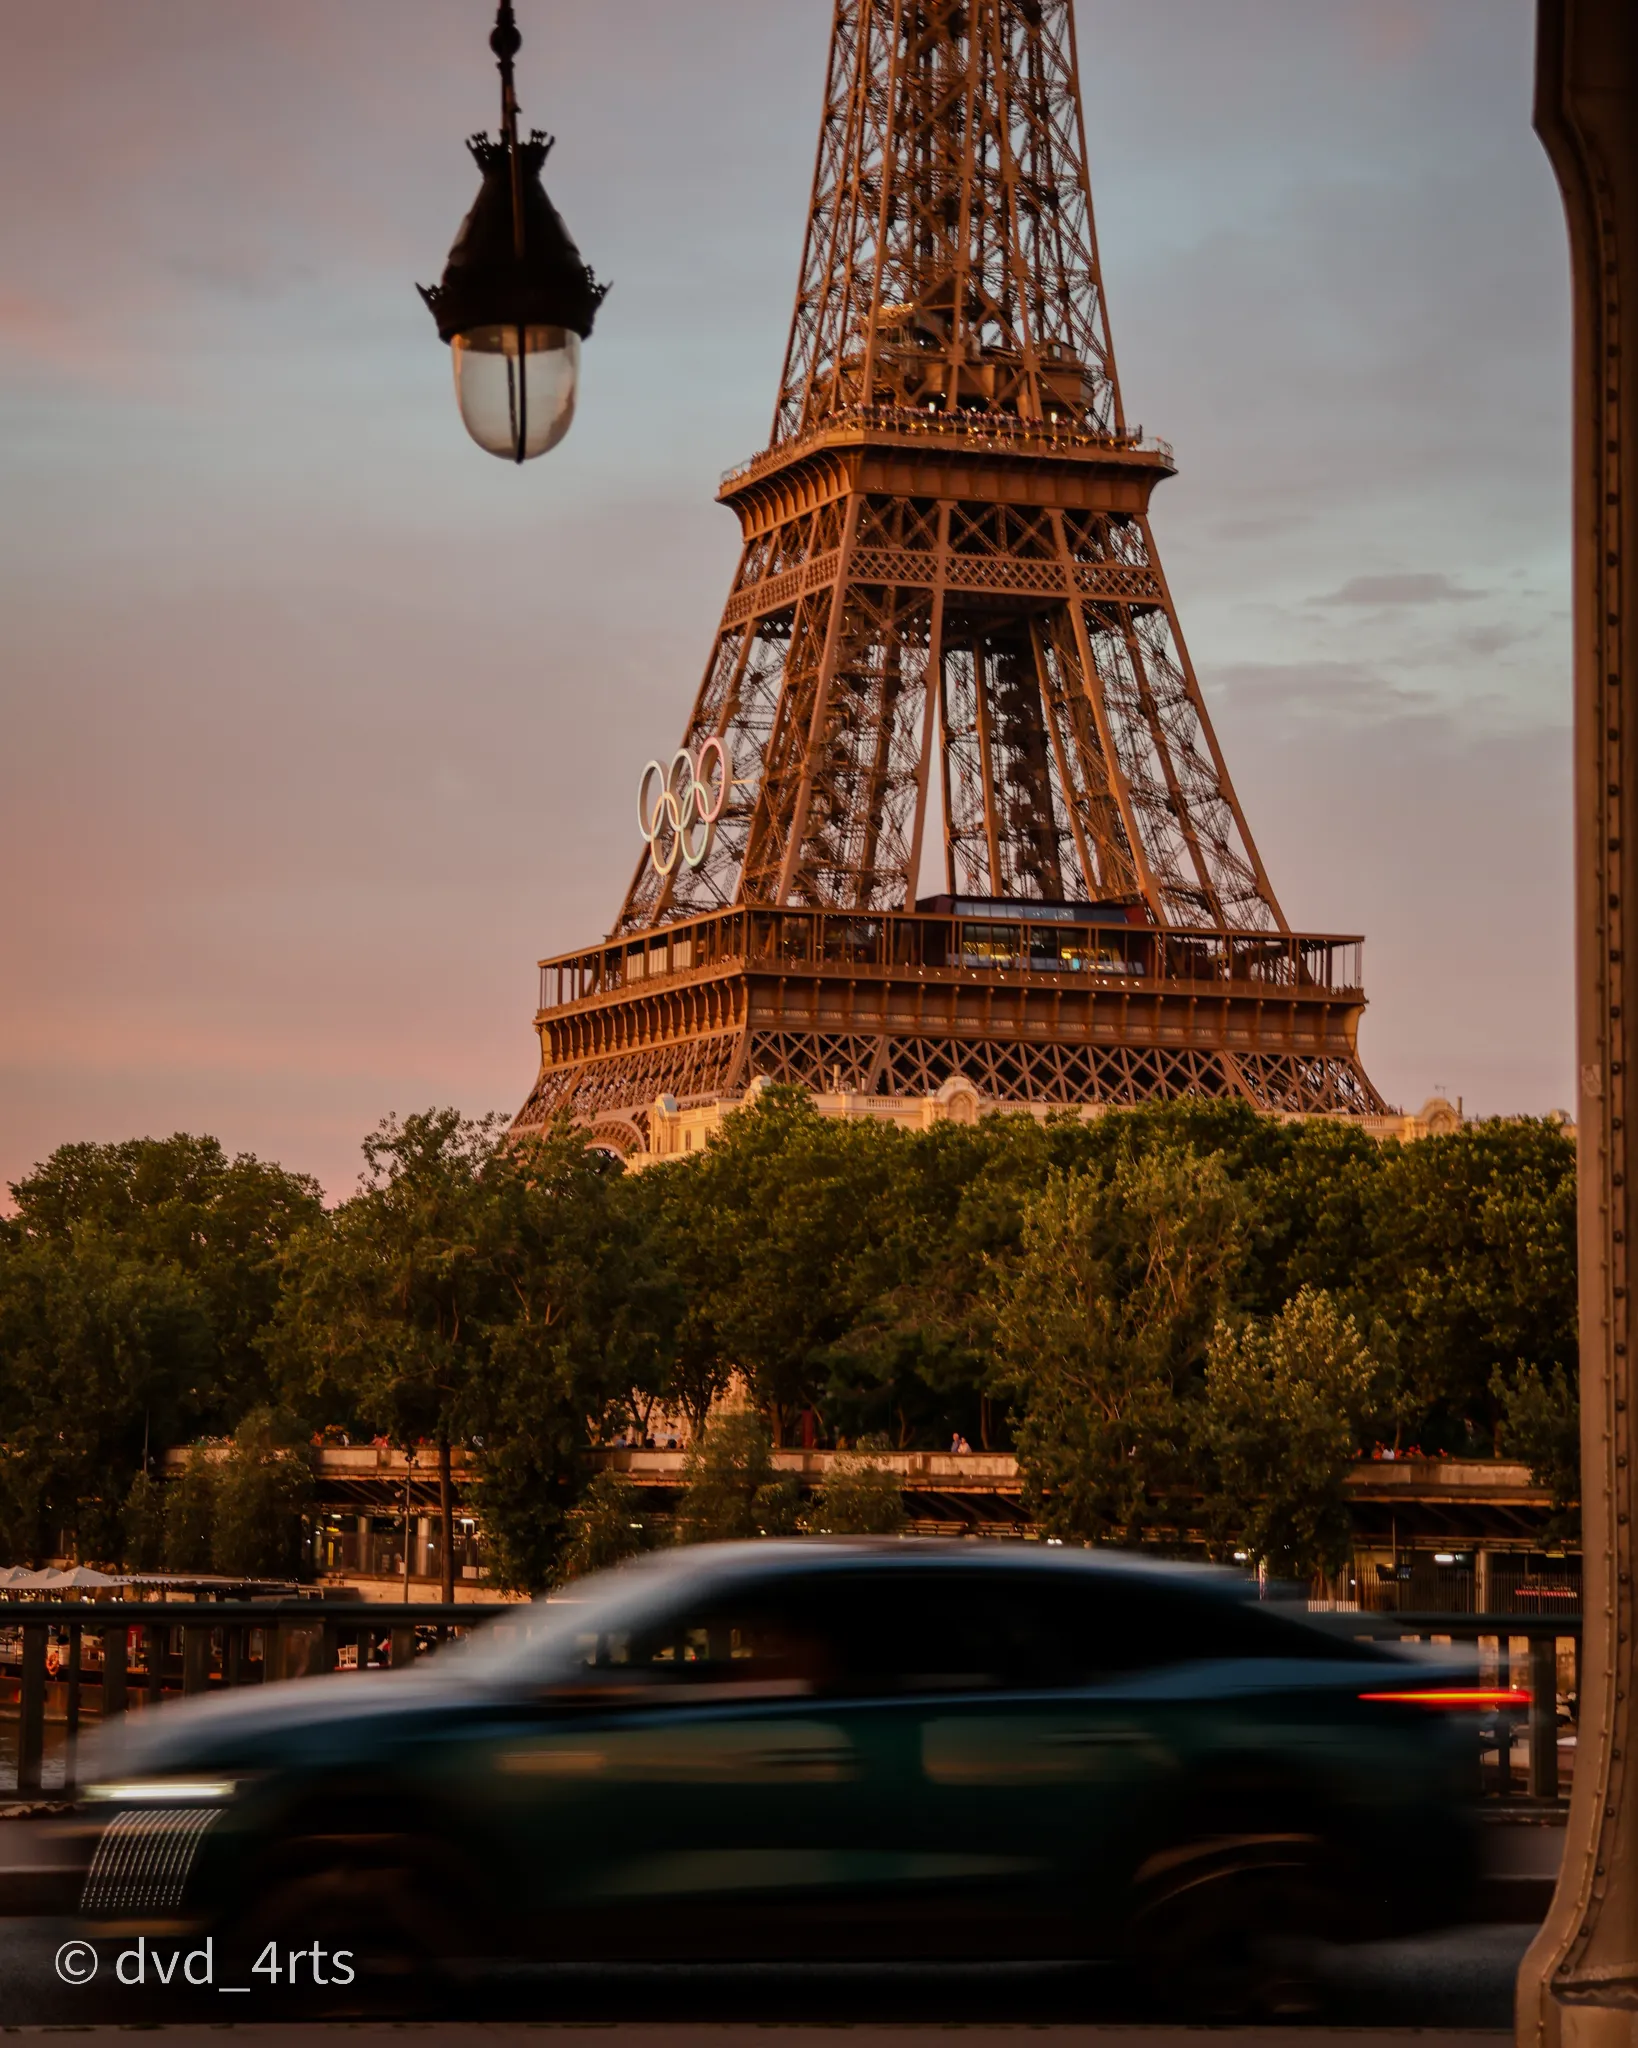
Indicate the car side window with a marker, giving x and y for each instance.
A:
(952, 1632)
(1113, 1627)
(1126, 1625)
(995, 1630)
(1249, 1630)
(755, 1641)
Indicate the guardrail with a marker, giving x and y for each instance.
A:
(918, 942)
(1058, 433)
(1536, 1672)
(65, 1660)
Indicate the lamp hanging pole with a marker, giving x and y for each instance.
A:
(506, 40)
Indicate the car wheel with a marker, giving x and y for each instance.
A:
(1226, 1927)
(362, 1934)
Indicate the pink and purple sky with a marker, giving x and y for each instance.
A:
(318, 726)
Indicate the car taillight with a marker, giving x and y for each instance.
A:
(1448, 1696)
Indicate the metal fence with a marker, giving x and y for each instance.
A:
(1525, 1752)
(64, 1664)
(1511, 1583)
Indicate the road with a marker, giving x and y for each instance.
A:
(1460, 1979)
(863, 2034)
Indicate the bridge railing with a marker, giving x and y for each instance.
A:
(1522, 1651)
(63, 1663)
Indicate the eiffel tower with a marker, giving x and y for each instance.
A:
(949, 619)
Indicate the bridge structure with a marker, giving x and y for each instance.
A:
(1462, 1534)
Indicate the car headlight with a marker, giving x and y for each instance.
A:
(161, 1791)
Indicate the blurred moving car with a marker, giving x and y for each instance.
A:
(824, 1750)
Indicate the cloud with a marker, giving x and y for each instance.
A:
(1441, 839)
(1253, 526)
(1408, 587)
(1485, 640)
(1338, 690)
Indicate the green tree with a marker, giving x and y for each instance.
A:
(913, 1360)
(190, 1514)
(1541, 1424)
(579, 1332)
(1049, 1284)
(860, 1497)
(1312, 1194)
(384, 1314)
(1104, 1319)
(607, 1527)
(135, 1281)
(917, 1359)
(181, 1206)
(264, 1487)
(762, 1230)
(731, 1486)
(1468, 1263)
(1285, 1402)
(93, 1345)
(144, 1525)
(642, 1309)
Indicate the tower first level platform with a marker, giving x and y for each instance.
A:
(1018, 1005)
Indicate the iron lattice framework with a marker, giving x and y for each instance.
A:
(949, 608)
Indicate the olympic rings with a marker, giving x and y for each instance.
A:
(678, 806)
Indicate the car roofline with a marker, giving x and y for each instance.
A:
(760, 1557)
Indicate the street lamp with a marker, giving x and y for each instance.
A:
(516, 299)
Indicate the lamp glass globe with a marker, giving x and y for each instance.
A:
(517, 402)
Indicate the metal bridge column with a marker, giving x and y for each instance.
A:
(1578, 1986)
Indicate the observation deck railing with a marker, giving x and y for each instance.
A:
(993, 432)
(895, 944)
